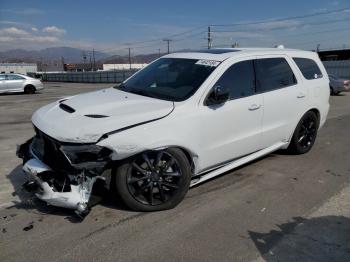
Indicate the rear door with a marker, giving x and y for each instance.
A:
(232, 129)
(284, 95)
(15, 82)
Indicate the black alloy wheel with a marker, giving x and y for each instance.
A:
(305, 134)
(154, 180)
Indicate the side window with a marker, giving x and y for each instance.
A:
(2, 77)
(14, 77)
(273, 73)
(308, 68)
(239, 79)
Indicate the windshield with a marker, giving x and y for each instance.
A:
(173, 79)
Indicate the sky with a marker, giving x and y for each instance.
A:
(113, 26)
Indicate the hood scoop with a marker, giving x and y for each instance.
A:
(67, 108)
(96, 116)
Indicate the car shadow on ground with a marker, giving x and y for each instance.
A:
(318, 239)
(28, 201)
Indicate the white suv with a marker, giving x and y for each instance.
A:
(183, 119)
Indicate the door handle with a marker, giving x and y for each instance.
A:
(254, 107)
(301, 95)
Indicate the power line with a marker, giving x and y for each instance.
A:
(346, 9)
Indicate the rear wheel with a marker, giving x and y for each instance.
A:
(154, 180)
(305, 134)
(29, 89)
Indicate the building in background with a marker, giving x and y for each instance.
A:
(18, 68)
(334, 55)
(107, 67)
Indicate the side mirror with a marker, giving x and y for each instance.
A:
(218, 95)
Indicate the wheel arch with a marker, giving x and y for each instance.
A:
(318, 114)
(312, 109)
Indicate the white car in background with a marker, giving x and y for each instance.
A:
(13, 83)
(338, 85)
(183, 119)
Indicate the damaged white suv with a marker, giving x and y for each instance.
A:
(183, 119)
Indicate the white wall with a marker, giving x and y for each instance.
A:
(122, 66)
(18, 68)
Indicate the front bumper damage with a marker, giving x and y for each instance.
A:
(54, 179)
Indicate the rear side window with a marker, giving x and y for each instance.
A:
(239, 79)
(14, 77)
(308, 68)
(273, 73)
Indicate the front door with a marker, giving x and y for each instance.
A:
(232, 129)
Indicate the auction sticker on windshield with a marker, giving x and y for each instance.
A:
(204, 62)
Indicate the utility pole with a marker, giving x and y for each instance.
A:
(90, 62)
(159, 52)
(129, 57)
(62, 61)
(93, 57)
(209, 37)
(168, 42)
(83, 54)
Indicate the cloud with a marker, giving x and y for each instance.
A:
(275, 25)
(30, 38)
(13, 31)
(41, 39)
(54, 30)
(24, 11)
(6, 39)
(34, 29)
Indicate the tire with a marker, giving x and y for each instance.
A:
(305, 134)
(29, 89)
(154, 180)
(334, 93)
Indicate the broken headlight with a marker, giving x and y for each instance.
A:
(85, 153)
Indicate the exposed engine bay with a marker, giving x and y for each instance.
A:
(63, 174)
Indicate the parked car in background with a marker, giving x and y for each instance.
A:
(183, 119)
(12, 83)
(337, 85)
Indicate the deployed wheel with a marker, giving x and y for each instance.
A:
(154, 180)
(305, 134)
(29, 89)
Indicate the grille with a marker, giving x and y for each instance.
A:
(47, 150)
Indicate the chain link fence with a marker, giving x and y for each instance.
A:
(338, 68)
(89, 77)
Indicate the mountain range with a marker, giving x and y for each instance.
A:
(68, 55)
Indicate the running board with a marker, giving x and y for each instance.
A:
(236, 163)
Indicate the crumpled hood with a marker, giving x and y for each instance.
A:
(85, 118)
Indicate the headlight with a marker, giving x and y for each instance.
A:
(85, 153)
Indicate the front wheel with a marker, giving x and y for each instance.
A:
(305, 134)
(154, 180)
